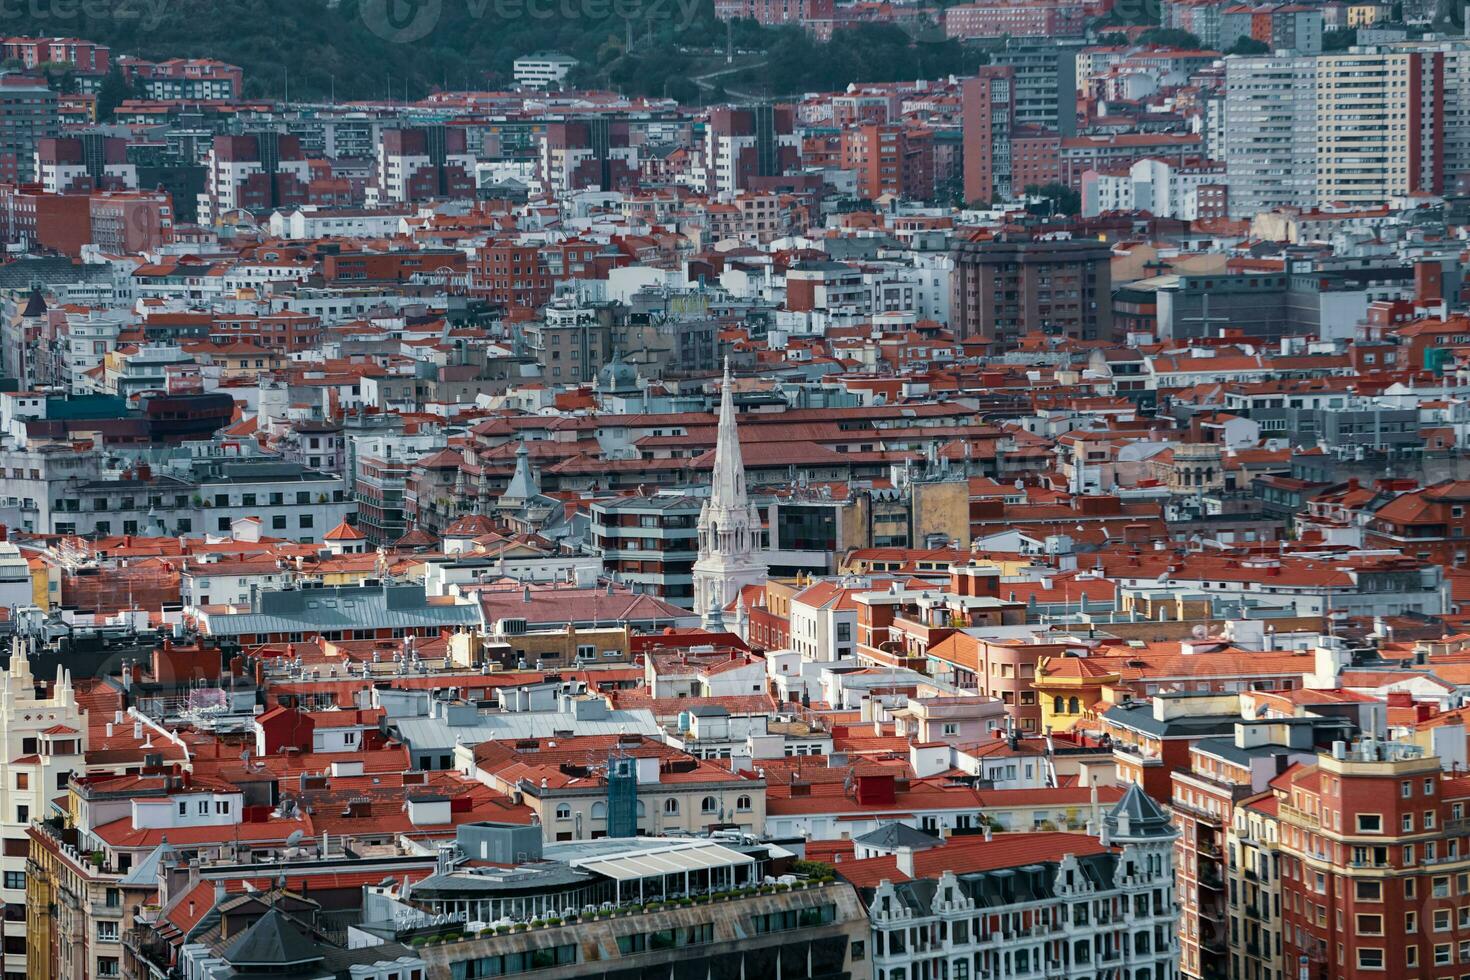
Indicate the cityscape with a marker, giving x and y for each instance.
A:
(750, 490)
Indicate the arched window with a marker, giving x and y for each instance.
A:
(671, 807)
(563, 812)
(742, 803)
(599, 810)
(1072, 706)
(708, 805)
(642, 810)
(1058, 704)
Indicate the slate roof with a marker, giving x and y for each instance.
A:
(25, 273)
(892, 836)
(273, 941)
(1145, 817)
(344, 608)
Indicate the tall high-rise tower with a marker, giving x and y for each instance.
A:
(729, 525)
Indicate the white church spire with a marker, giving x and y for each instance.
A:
(729, 524)
(727, 486)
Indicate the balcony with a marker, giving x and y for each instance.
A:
(1201, 815)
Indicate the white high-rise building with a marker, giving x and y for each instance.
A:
(1270, 132)
(44, 738)
(729, 525)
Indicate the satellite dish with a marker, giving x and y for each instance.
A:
(292, 840)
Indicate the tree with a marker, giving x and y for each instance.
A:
(1055, 199)
(113, 92)
(1249, 45)
(1169, 37)
(1339, 40)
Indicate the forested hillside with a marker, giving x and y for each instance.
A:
(377, 48)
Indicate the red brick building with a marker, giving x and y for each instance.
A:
(988, 113)
(395, 266)
(525, 276)
(890, 159)
(1373, 849)
(1024, 19)
(817, 16)
(1430, 524)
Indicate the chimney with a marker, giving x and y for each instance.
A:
(1428, 282)
(904, 858)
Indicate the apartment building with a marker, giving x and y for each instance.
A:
(1269, 128)
(543, 70)
(650, 543)
(1045, 76)
(1222, 771)
(28, 115)
(255, 173)
(1374, 865)
(44, 739)
(890, 160)
(1380, 125)
(1254, 927)
(587, 154)
(743, 143)
(988, 114)
(82, 163)
(1039, 904)
(431, 162)
(1004, 289)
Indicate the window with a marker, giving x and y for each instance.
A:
(22, 780)
(742, 803)
(1372, 959)
(1370, 823)
(708, 805)
(1369, 891)
(107, 931)
(563, 812)
(15, 879)
(671, 807)
(1370, 925)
